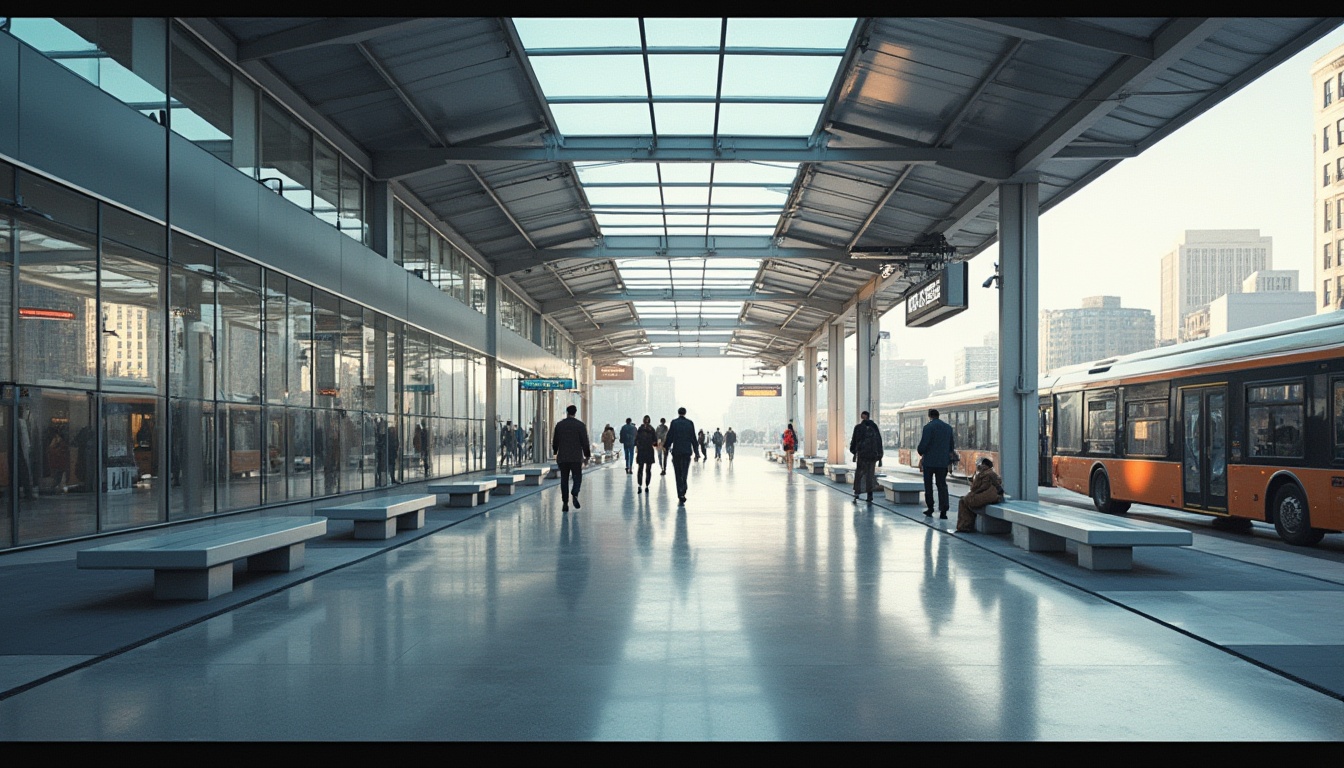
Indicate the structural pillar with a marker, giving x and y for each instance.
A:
(809, 424)
(836, 445)
(791, 382)
(493, 422)
(1019, 447)
(866, 367)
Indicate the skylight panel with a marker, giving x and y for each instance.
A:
(602, 119)
(617, 173)
(768, 119)
(684, 75)
(618, 219)
(687, 219)
(602, 196)
(684, 119)
(692, 173)
(679, 32)
(756, 172)
(597, 76)
(789, 33)
(686, 195)
(761, 197)
(779, 76)
(577, 32)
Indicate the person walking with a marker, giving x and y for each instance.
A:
(936, 445)
(730, 443)
(866, 446)
(628, 443)
(682, 444)
(646, 439)
(790, 444)
(661, 431)
(704, 445)
(608, 439)
(986, 488)
(572, 449)
(506, 442)
(717, 439)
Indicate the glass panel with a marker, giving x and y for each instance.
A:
(132, 320)
(57, 464)
(775, 76)
(276, 337)
(603, 119)
(1217, 402)
(202, 108)
(326, 340)
(1193, 445)
(1338, 417)
(419, 387)
(1069, 422)
(299, 461)
(789, 32)
(586, 32)
(682, 32)
(357, 451)
(1101, 426)
(7, 239)
(191, 348)
(239, 295)
(584, 76)
(302, 352)
(240, 466)
(55, 339)
(6, 471)
(132, 461)
(122, 56)
(350, 347)
(684, 75)
(327, 452)
(136, 231)
(286, 155)
(353, 213)
(275, 466)
(191, 460)
(326, 183)
(768, 119)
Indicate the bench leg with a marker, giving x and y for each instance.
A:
(905, 497)
(1033, 540)
(987, 524)
(375, 529)
(1105, 558)
(461, 499)
(506, 490)
(197, 584)
(532, 480)
(283, 559)
(483, 497)
(411, 520)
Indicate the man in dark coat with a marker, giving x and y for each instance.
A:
(935, 451)
(866, 446)
(628, 442)
(682, 443)
(572, 448)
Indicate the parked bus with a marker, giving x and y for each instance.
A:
(1247, 425)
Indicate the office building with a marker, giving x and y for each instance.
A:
(1206, 264)
(1327, 75)
(975, 364)
(1100, 328)
(1267, 296)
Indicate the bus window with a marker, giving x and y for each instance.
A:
(1101, 424)
(992, 435)
(1274, 415)
(1069, 422)
(982, 430)
(1146, 426)
(1339, 419)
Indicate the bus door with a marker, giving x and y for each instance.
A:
(1204, 431)
(1045, 474)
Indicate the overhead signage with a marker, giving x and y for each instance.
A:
(419, 387)
(759, 390)
(938, 297)
(546, 383)
(615, 372)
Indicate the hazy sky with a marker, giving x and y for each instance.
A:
(1246, 164)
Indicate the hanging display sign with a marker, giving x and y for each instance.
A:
(615, 372)
(760, 390)
(546, 383)
(938, 297)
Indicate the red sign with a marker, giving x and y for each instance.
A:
(615, 372)
(46, 314)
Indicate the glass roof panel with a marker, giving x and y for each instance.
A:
(602, 119)
(722, 219)
(779, 76)
(741, 231)
(686, 195)
(755, 172)
(684, 119)
(606, 196)
(606, 218)
(687, 32)
(598, 76)
(683, 75)
(696, 173)
(767, 197)
(616, 173)
(686, 219)
(789, 33)
(768, 119)
(577, 32)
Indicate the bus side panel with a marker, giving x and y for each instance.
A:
(1073, 473)
(1247, 486)
(1144, 481)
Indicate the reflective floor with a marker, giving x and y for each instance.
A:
(769, 608)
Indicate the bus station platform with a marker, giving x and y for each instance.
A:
(769, 608)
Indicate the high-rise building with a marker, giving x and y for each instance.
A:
(1266, 297)
(975, 364)
(1100, 328)
(1205, 265)
(662, 395)
(1327, 74)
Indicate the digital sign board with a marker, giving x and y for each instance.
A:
(938, 297)
(546, 383)
(759, 390)
(615, 372)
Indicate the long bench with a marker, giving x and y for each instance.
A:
(382, 518)
(532, 475)
(506, 483)
(197, 564)
(1105, 542)
(464, 493)
(814, 464)
(901, 491)
(840, 473)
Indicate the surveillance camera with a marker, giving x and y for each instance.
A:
(988, 281)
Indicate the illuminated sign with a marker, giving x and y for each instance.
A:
(546, 383)
(760, 390)
(938, 297)
(615, 372)
(46, 314)
(328, 392)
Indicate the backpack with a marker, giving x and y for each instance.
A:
(870, 444)
(788, 441)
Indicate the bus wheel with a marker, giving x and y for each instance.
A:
(1292, 519)
(1101, 496)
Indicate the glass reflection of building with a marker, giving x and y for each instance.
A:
(161, 362)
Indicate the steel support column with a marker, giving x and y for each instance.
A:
(809, 446)
(866, 367)
(836, 445)
(1019, 448)
(790, 394)
(493, 423)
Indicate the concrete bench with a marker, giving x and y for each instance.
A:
(532, 475)
(197, 564)
(1105, 543)
(841, 473)
(382, 518)
(506, 483)
(814, 464)
(901, 491)
(464, 493)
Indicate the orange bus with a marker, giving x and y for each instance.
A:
(1247, 425)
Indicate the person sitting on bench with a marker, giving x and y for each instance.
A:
(986, 488)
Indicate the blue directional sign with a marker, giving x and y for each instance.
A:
(546, 383)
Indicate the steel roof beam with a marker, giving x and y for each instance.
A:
(735, 248)
(654, 294)
(331, 31)
(1070, 32)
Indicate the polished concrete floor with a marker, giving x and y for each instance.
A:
(769, 608)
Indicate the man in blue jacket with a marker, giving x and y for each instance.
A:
(682, 444)
(627, 436)
(935, 451)
(569, 444)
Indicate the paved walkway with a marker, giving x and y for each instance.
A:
(768, 608)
